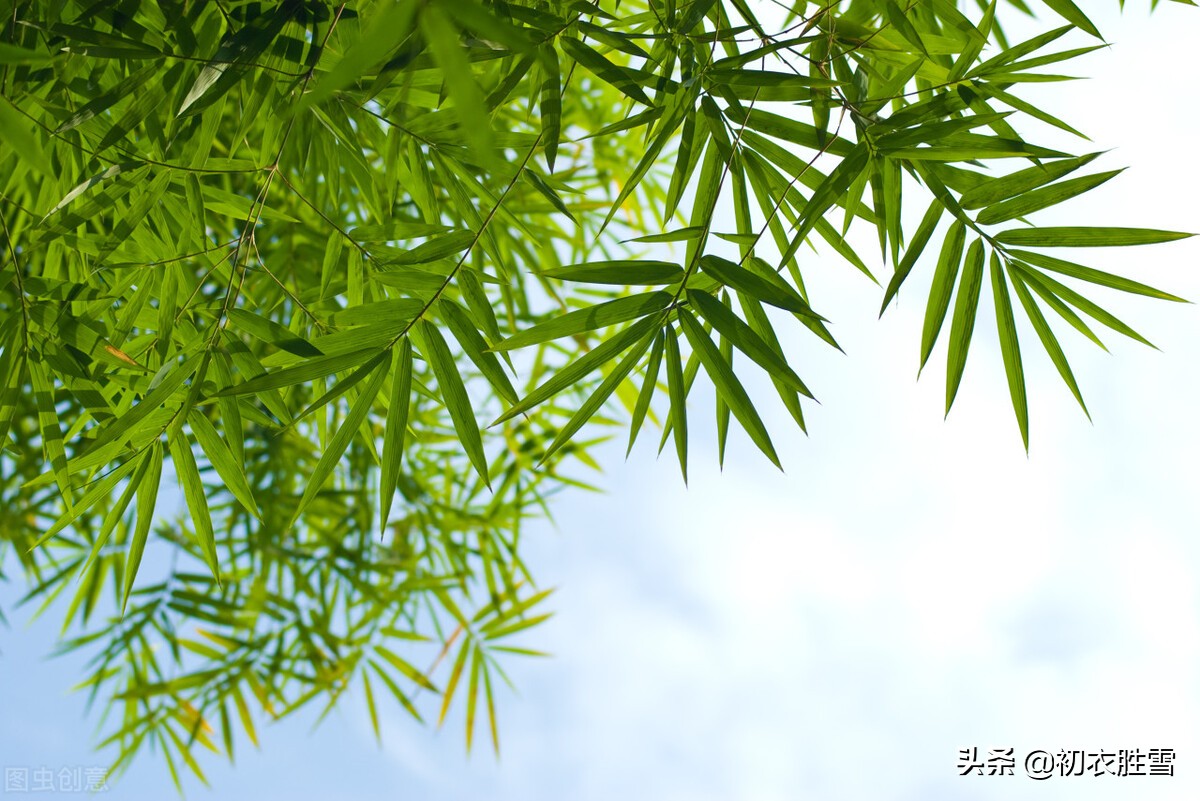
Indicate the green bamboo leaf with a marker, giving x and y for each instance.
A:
(476, 348)
(1091, 275)
(371, 710)
(726, 349)
(617, 40)
(670, 120)
(551, 103)
(760, 324)
(621, 273)
(455, 675)
(236, 51)
(229, 469)
(272, 332)
(588, 408)
(193, 493)
(743, 337)
(16, 132)
(943, 285)
(791, 130)
(994, 190)
(1039, 280)
(1020, 105)
(11, 54)
(442, 39)
(1072, 14)
(829, 192)
(400, 311)
(485, 22)
(1042, 198)
(116, 511)
(966, 304)
(473, 693)
(1019, 51)
(972, 147)
(678, 235)
(110, 172)
(397, 427)
(692, 140)
(764, 85)
(383, 232)
(974, 45)
(548, 192)
(728, 385)
(112, 437)
(100, 489)
(1010, 349)
(571, 374)
(915, 248)
(147, 500)
(904, 26)
(126, 87)
(649, 384)
(933, 132)
(436, 247)
(1086, 237)
(317, 367)
(617, 77)
(392, 25)
(52, 437)
(454, 394)
(591, 318)
(1049, 341)
(1056, 303)
(345, 433)
(775, 292)
(678, 396)
(407, 670)
(244, 715)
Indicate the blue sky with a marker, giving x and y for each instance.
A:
(907, 587)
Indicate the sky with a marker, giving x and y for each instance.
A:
(907, 587)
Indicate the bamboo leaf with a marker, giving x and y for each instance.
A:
(649, 384)
(1086, 237)
(963, 324)
(193, 493)
(1090, 275)
(1049, 341)
(341, 440)
(588, 408)
(943, 286)
(230, 470)
(1042, 198)
(454, 394)
(775, 292)
(728, 385)
(1072, 14)
(915, 248)
(442, 39)
(147, 499)
(476, 349)
(579, 368)
(1010, 350)
(678, 397)
(591, 318)
(623, 273)
(743, 337)
(994, 190)
(617, 77)
(396, 429)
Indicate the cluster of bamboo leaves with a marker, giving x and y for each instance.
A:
(304, 306)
